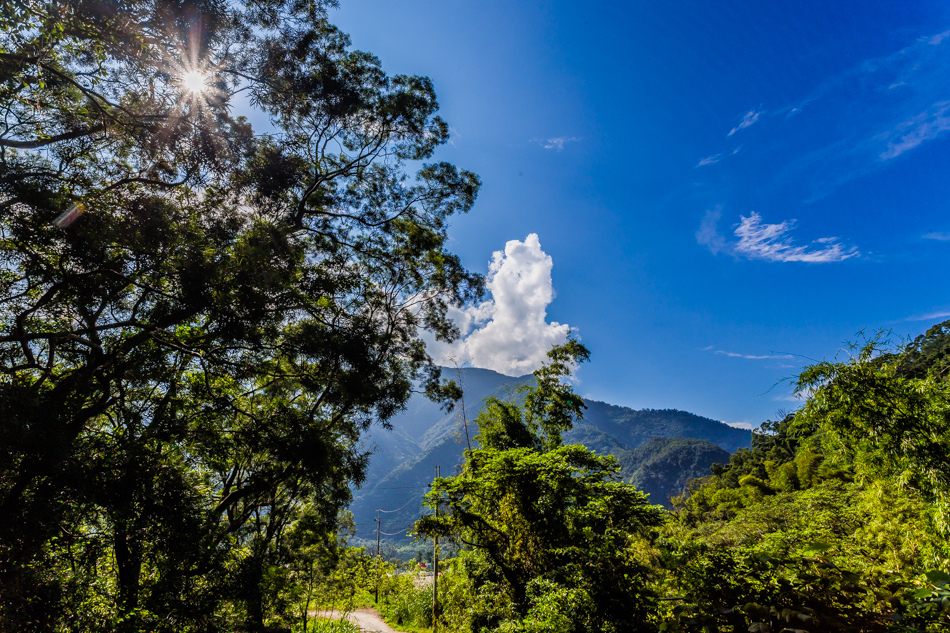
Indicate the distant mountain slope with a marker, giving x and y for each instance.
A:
(662, 466)
(424, 436)
(635, 427)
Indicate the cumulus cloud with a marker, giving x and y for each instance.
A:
(509, 333)
(769, 242)
(749, 119)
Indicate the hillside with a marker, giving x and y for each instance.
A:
(663, 465)
(423, 437)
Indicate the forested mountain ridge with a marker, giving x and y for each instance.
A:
(402, 463)
(664, 466)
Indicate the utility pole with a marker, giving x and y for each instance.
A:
(378, 524)
(435, 569)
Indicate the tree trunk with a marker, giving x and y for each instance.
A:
(128, 559)
(253, 596)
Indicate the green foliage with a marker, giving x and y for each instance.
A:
(886, 423)
(318, 625)
(834, 520)
(187, 366)
(542, 515)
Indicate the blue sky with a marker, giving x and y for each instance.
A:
(719, 191)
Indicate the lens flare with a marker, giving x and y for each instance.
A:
(194, 82)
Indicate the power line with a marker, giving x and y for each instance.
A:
(399, 508)
(403, 531)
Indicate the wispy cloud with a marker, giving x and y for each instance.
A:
(770, 356)
(921, 128)
(715, 158)
(758, 240)
(557, 142)
(872, 113)
(769, 242)
(791, 398)
(930, 316)
(708, 233)
(749, 119)
(935, 40)
(936, 235)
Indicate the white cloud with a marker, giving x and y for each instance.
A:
(931, 316)
(936, 235)
(750, 118)
(770, 356)
(939, 37)
(791, 398)
(509, 333)
(745, 424)
(881, 108)
(708, 235)
(753, 356)
(921, 128)
(558, 142)
(769, 242)
(709, 160)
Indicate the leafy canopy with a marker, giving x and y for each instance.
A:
(546, 517)
(198, 320)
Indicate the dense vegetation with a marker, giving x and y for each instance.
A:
(833, 520)
(198, 321)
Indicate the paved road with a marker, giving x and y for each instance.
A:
(367, 619)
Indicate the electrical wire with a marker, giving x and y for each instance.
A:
(400, 508)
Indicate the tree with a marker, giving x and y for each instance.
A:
(887, 414)
(197, 320)
(554, 525)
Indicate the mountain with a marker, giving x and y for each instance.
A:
(423, 437)
(663, 465)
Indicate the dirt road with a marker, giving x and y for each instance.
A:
(367, 619)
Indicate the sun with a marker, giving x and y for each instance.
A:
(194, 81)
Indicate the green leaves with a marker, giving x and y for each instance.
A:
(195, 356)
(816, 548)
(552, 522)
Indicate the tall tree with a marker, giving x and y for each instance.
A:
(198, 320)
(556, 528)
